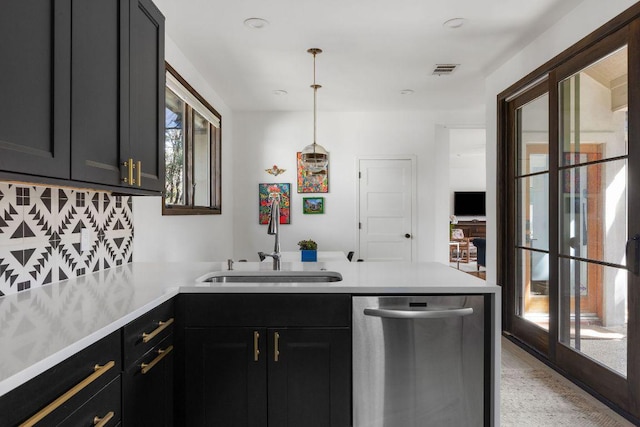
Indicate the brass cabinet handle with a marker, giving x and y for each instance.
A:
(146, 337)
(129, 178)
(276, 346)
(98, 371)
(101, 422)
(256, 351)
(146, 367)
(139, 173)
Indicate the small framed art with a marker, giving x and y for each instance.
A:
(313, 205)
(266, 193)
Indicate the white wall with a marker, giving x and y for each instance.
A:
(467, 163)
(584, 19)
(193, 237)
(264, 139)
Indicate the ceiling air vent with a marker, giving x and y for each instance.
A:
(444, 69)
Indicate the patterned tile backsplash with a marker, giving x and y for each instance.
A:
(40, 234)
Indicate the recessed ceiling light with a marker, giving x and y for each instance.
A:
(453, 23)
(280, 92)
(256, 23)
(406, 92)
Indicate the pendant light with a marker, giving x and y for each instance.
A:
(314, 157)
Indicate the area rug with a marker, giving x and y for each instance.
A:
(532, 397)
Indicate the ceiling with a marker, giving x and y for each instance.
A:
(373, 49)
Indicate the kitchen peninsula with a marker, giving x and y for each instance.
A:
(45, 326)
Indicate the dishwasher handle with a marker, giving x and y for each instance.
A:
(418, 314)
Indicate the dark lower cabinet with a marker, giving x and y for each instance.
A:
(85, 387)
(258, 360)
(310, 382)
(148, 388)
(148, 377)
(226, 380)
(258, 377)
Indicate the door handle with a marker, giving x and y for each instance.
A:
(418, 314)
(408, 236)
(633, 265)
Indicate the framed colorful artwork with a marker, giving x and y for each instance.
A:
(266, 192)
(309, 182)
(313, 205)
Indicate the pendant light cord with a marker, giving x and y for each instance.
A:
(315, 87)
(315, 103)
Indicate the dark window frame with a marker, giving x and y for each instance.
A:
(215, 161)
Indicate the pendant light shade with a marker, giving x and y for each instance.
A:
(314, 157)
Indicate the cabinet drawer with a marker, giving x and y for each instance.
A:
(77, 378)
(148, 388)
(141, 335)
(104, 406)
(266, 310)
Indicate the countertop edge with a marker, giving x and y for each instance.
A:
(165, 293)
(11, 383)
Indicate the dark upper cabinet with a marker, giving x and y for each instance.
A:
(146, 93)
(117, 93)
(99, 102)
(35, 87)
(83, 92)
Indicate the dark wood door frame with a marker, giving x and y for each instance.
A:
(620, 393)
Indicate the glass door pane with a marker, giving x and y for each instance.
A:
(593, 211)
(532, 198)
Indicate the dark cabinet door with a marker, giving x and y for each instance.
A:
(225, 377)
(310, 377)
(34, 83)
(148, 388)
(147, 93)
(99, 83)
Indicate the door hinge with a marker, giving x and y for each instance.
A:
(359, 226)
(359, 175)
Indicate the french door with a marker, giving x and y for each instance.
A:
(572, 216)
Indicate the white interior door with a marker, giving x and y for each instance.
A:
(386, 200)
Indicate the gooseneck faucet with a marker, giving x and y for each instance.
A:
(274, 230)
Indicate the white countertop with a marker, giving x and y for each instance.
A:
(41, 327)
(323, 256)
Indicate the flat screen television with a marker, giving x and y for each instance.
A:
(469, 203)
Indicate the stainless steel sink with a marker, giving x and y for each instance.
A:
(269, 276)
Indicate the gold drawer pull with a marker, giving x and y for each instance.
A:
(146, 337)
(139, 173)
(98, 372)
(101, 422)
(146, 367)
(256, 351)
(276, 347)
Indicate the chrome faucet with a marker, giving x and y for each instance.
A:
(274, 230)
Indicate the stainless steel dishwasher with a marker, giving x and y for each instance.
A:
(419, 361)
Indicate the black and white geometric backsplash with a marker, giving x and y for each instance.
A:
(40, 234)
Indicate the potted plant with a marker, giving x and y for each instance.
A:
(308, 250)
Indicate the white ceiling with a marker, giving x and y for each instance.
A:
(373, 49)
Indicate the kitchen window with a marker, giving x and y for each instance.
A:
(192, 151)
